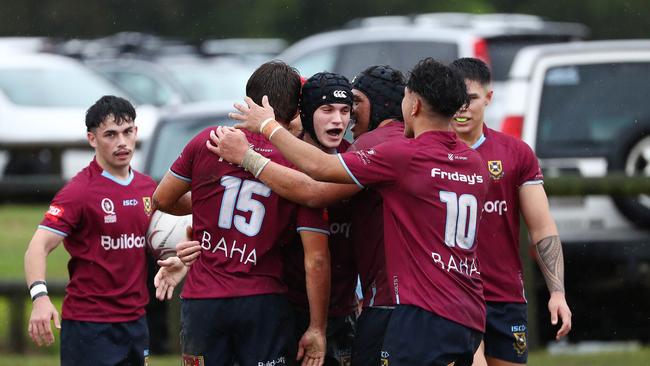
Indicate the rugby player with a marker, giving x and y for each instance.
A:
(101, 216)
(516, 187)
(234, 303)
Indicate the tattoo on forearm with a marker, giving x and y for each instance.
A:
(551, 262)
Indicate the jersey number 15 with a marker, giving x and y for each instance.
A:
(238, 194)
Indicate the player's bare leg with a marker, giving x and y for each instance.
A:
(497, 362)
(479, 356)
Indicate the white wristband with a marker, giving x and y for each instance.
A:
(37, 289)
(265, 122)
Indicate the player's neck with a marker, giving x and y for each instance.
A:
(120, 172)
(423, 125)
(471, 137)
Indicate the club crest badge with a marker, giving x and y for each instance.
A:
(495, 168)
(147, 205)
(520, 343)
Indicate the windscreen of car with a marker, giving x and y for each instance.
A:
(585, 109)
(211, 82)
(171, 138)
(402, 55)
(71, 88)
(143, 88)
(316, 61)
(502, 51)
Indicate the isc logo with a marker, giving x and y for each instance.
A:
(131, 202)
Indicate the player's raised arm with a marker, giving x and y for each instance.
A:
(288, 183)
(43, 311)
(548, 251)
(309, 159)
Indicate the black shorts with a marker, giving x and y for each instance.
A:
(506, 331)
(109, 344)
(417, 337)
(340, 335)
(249, 331)
(371, 327)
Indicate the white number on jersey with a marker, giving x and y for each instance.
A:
(239, 194)
(460, 226)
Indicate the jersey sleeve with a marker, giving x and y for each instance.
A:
(64, 214)
(312, 219)
(530, 171)
(382, 164)
(182, 167)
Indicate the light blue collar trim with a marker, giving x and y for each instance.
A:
(480, 142)
(122, 182)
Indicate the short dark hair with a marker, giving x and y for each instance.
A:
(109, 105)
(281, 83)
(472, 69)
(443, 89)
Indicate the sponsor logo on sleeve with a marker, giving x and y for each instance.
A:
(54, 213)
(109, 209)
(495, 168)
(147, 205)
(364, 155)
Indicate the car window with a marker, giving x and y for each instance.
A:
(402, 55)
(585, 109)
(53, 88)
(317, 61)
(171, 138)
(211, 82)
(502, 51)
(143, 88)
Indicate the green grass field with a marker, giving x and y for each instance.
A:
(17, 224)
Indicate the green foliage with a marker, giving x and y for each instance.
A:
(290, 19)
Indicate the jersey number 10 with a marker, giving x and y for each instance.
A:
(460, 227)
(238, 194)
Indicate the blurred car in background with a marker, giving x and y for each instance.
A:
(145, 81)
(582, 107)
(43, 100)
(177, 128)
(401, 41)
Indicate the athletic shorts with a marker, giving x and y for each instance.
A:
(104, 344)
(506, 331)
(371, 327)
(249, 331)
(417, 337)
(340, 335)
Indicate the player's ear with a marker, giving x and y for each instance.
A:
(488, 97)
(92, 139)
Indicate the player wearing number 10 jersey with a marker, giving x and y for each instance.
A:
(234, 299)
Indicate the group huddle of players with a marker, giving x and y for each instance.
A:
(422, 209)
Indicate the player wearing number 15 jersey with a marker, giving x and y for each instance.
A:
(234, 305)
(433, 188)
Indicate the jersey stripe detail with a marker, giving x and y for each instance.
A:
(349, 172)
(185, 179)
(58, 232)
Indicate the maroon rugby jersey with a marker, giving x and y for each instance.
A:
(433, 188)
(239, 222)
(343, 269)
(104, 223)
(511, 164)
(368, 225)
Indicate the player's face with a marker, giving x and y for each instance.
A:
(361, 113)
(114, 144)
(330, 123)
(469, 119)
(407, 112)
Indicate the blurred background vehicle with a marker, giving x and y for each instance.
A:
(401, 41)
(582, 108)
(43, 100)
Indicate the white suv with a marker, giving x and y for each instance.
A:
(584, 109)
(401, 41)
